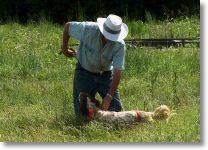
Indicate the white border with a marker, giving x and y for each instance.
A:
(204, 95)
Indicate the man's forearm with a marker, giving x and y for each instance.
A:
(65, 37)
(115, 82)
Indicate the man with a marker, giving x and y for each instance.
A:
(101, 57)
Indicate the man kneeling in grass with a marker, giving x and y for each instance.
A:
(101, 57)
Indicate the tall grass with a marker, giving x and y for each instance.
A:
(36, 90)
(174, 28)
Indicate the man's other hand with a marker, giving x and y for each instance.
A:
(106, 103)
(69, 52)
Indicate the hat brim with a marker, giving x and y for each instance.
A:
(113, 37)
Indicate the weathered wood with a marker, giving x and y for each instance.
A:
(176, 42)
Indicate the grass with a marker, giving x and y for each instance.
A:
(175, 28)
(36, 89)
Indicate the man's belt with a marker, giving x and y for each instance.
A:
(79, 67)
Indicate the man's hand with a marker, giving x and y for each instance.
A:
(69, 52)
(106, 103)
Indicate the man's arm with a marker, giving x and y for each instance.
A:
(115, 83)
(69, 52)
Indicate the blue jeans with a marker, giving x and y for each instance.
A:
(85, 81)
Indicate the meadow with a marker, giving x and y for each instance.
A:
(36, 102)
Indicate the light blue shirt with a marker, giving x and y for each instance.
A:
(91, 54)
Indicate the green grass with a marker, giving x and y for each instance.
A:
(176, 28)
(36, 90)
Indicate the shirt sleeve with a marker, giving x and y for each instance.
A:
(119, 58)
(76, 30)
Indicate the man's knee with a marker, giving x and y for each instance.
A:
(115, 105)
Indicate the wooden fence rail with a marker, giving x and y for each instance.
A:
(176, 42)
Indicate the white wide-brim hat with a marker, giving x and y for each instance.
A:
(113, 28)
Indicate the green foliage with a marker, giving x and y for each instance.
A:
(175, 28)
(36, 89)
